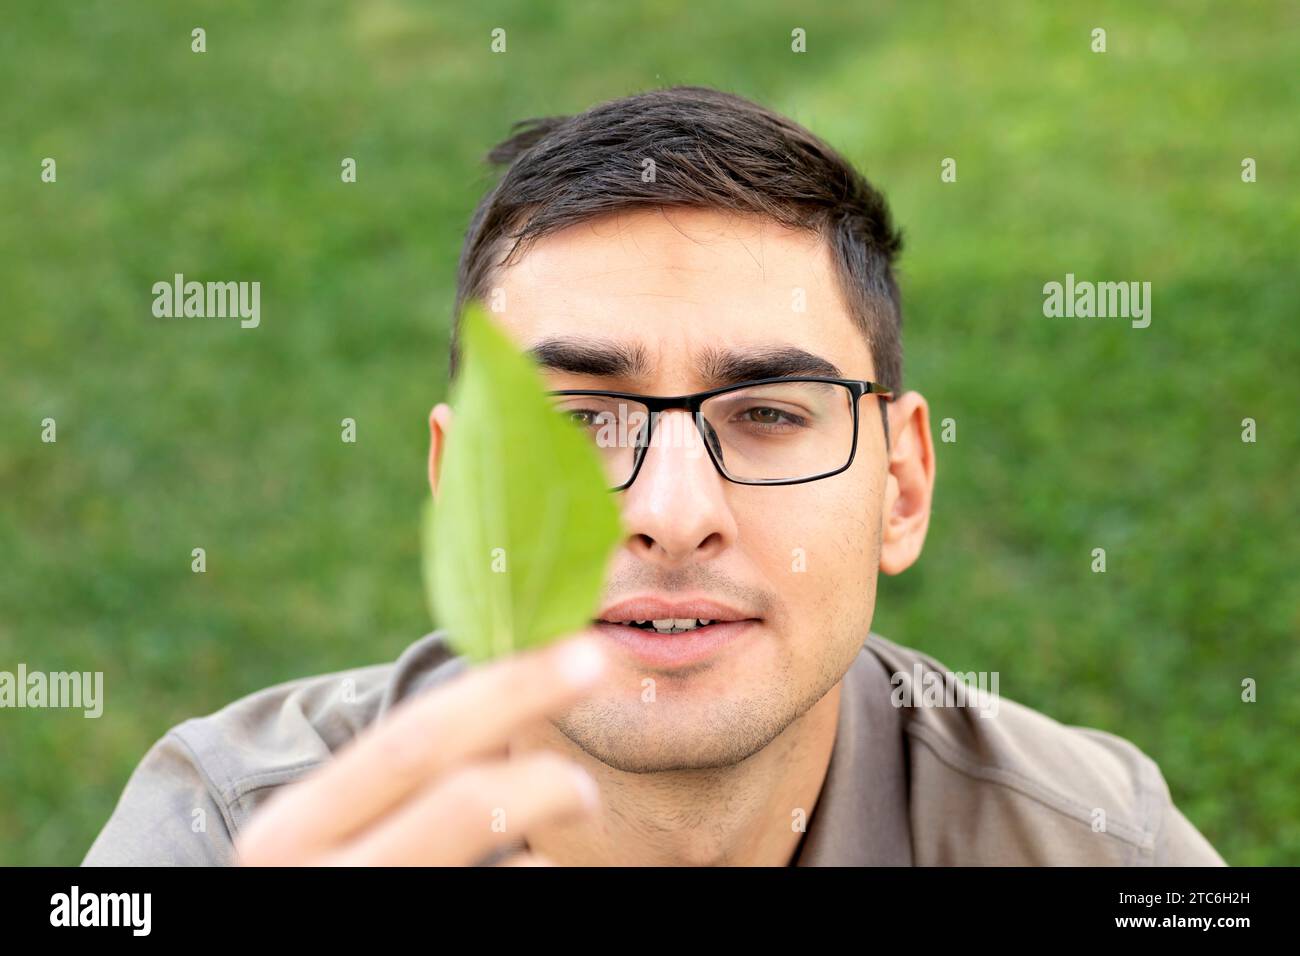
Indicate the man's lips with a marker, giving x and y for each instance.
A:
(670, 647)
(661, 610)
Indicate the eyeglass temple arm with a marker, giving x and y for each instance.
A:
(872, 388)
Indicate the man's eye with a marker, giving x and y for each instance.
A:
(587, 418)
(771, 417)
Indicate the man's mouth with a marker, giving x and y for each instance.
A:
(673, 633)
(668, 625)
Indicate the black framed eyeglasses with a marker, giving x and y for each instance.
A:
(768, 431)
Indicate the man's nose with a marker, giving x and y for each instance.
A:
(677, 510)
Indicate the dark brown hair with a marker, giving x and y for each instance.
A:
(711, 149)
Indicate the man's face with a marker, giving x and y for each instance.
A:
(680, 285)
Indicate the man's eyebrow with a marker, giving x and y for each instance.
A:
(719, 367)
(591, 357)
(716, 367)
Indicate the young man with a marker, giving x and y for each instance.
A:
(732, 705)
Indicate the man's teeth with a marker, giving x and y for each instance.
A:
(672, 625)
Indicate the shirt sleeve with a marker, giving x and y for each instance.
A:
(169, 814)
(1178, 843)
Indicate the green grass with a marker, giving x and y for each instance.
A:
(1072, 434)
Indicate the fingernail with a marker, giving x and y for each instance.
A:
(582, 662)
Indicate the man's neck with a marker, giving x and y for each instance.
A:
(750, 814)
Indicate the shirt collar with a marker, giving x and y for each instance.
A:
(861, 817)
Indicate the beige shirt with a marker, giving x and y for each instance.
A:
(909, 782)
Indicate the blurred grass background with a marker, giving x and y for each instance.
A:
(1072, 434)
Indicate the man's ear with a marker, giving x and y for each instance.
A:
(439, 423)
(910, 484)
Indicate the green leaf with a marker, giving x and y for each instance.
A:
(517, 545)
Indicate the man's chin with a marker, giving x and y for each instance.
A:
(674, 729)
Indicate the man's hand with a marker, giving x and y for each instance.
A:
(421, 786)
